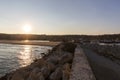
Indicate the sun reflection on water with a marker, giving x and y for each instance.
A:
(25, 56)
(26, 40)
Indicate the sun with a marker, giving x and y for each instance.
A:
(27, 28)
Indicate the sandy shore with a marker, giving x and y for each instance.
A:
(26, 42)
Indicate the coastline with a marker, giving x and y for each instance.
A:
(55, 65)
(26, 42)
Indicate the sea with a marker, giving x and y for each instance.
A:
(110, 44)
(13, 56)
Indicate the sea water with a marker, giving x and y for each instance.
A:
(14, 56)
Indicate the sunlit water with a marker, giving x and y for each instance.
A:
(15, 56)
(118, 44)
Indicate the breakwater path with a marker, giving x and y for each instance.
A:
(81, 69)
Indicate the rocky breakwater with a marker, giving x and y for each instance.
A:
(111, 52)
(54, 66)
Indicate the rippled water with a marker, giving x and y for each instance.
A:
(15, 56)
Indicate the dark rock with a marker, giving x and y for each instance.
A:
(66, 71)
(39, 63)
(8, 76)
(53, 59)
(45, 71)
(20, 75)
(57, 75)
(36, 75)
(51, 66)
(69, 47)
(66, 58)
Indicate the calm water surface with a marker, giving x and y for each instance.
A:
(14, 56)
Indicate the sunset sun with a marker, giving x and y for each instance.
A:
(27, 28)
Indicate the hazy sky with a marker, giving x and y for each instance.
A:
(60, 16)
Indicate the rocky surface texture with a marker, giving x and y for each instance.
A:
(81, 69)
(54, 66)
(109, 51)
(103, 68)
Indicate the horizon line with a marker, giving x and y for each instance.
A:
(62, 34)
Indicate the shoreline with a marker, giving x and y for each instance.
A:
(55, 65)
(26, 42)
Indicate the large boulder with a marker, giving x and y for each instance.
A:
(56, 75)
(36, 75)
(66, 71)
(51, 66)
(66, 58)
(20, 74)
(45, 71)
(53, 59)
(39, 63)
(69, 47)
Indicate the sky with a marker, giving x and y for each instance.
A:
(55, 17)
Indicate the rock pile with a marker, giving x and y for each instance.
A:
(54, 66)
(109, 51)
